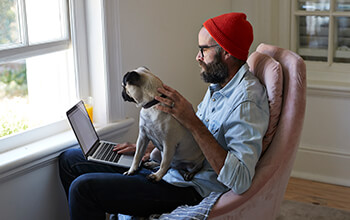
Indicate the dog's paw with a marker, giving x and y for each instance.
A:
(129, 172)
(153, 177)
(187, 175)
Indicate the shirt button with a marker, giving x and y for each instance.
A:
(207, 120)
(213, 99)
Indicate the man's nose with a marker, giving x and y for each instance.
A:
(199, 56)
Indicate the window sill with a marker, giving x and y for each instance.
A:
(47, 149)
(328, 83)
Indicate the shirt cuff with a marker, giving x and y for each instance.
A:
(234, 174)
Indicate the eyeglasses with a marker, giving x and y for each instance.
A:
(201, 48)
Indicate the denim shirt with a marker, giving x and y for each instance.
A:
(237, 116)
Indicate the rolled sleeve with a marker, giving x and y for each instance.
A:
(243, 138)
(234, 174)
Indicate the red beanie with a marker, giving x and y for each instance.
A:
(232, 32)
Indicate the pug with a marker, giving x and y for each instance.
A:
(176, 144)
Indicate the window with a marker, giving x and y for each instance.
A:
(321, 30)
(37, 80)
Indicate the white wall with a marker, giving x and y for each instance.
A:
(34, 194)
(324, 153)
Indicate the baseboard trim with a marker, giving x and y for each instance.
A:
(320, 178)
(324, 150)
(323, 165)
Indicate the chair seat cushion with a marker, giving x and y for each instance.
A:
(269, 72)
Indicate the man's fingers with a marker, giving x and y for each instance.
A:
(165, 109)
(169, 92)
(124, 148)
(164, 91)
(169, 88)
(120, 146)
(165, 101)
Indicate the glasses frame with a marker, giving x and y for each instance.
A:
(201, 48)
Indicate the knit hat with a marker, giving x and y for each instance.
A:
(232, 32)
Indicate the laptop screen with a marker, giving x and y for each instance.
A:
(82, 126)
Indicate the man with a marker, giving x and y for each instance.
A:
(228, 126)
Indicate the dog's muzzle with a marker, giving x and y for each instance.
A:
(126, 97)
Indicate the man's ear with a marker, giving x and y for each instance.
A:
(226, 55)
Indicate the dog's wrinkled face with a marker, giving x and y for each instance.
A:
(140, 86)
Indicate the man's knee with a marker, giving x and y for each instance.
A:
(81, 186)
(69, 156)
(62, 159)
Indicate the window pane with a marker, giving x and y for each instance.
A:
(51, 86)
(342, 53)
(9, 25)
(343, 5)
(45, 20)
(35, 92)
(13, 98)
(313, 37)
(314, 5)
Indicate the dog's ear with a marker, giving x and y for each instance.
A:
(145, 67)
(132, 78)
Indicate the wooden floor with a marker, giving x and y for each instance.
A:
(318, 193)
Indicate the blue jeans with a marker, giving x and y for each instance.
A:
(94, 189)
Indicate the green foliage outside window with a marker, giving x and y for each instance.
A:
(13, 98)
(7, 22)
(13, 81)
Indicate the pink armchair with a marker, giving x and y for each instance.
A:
(286, 89)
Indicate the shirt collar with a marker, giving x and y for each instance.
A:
(232, 83)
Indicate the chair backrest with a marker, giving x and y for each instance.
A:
(269, 72)
(294, 93)
(263, 199)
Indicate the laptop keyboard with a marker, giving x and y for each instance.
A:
(105, 152)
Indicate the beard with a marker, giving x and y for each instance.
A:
(214, 72)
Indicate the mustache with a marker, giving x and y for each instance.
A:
(202, 64)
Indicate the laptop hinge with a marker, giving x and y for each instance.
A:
(93, 149)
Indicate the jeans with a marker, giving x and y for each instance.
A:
(94, 189)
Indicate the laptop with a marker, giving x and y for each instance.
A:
(93, 148)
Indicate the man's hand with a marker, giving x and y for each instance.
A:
(129, 148)
(177, 106)
(125, 148)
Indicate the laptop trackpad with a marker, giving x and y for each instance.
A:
(125, 160)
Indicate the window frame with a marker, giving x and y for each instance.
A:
(94, 33)
(75, 40)
(322, 76)
(24, 50)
